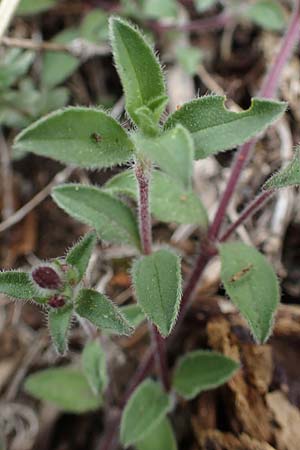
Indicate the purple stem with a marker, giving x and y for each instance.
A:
(268, 90)
(143, 178)
(248, 212)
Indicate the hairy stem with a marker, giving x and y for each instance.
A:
(268, 90)
(143, 174)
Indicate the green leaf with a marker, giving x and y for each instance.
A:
(173, 152)
(58, 66)
(133, 314)
(145, 409)
(168, 200)
(138, 68)
(59, 321)
(99, 310)
(111, 218)
(94, 27)
(13, 65)
(157, 283)
(160, 437)
(34, 7)
(289, 176)
(94, 366)
(80, 254)
(157, 9)
(189, 58)
(64, 387)
(268, 14)
(76, 135)
(204, 5)
(202, 370)
(216, 129)
(17, 285)
(252, 285)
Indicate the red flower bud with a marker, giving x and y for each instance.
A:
(57, 301)
(46, 277)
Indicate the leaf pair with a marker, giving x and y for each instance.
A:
(144, 422)
(70, 389)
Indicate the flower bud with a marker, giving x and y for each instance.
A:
(46, 277)
(57, 301)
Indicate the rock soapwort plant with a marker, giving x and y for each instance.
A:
(160, 152)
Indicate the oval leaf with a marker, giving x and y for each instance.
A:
(268, 14)
(202, 370)
(173, 152)
(214, 128)
(138, 68)
(64, 387)
(79, 255)
(94, 366)
(58, 66)
(82, 136)
(289, 176)
(59, 322)
(160, 437)
(145, 409)
(113, 220)
(18, 285)
(99, 310)
(252, 285)
(157, 283)
(169, 202)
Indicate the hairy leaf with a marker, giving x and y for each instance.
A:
(268, 14)
(82, 136)
(251, 283)
(18, 285)
(58, 66)
(157, 283)
(101, 311)
(202, 370)
(34, 7)
(216, 129)
(64, 387)
(111, 218)
(161, 437)
(289, 176)
(133, 314)
(168, 200)
(139, 70)
(157, 9)
(59, 321)
(173, 152)
(79, 255)
(145, 409)
(94, 366)
(94, 26)
(203, 5)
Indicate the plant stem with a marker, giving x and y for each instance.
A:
(143, 174)
(248, 212)
(268, 90)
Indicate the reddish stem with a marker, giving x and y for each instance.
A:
(248, 212)
(268, 90)
(143, 178)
